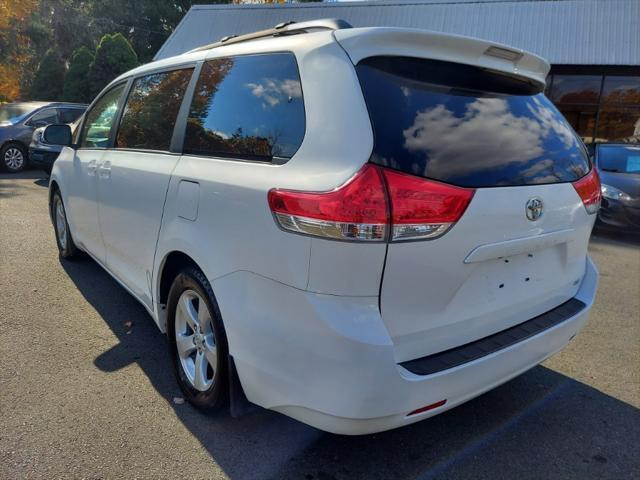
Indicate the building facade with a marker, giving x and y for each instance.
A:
(592, 45)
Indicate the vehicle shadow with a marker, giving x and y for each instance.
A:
(9, 187)
(610, 236)
(24, 175)
(539, 425)
(42, 182)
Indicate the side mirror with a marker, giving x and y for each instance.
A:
(57, 135)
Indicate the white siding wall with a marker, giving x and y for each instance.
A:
(583, 32)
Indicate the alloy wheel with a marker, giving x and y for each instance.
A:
(13, 158)
(195, 340)
(61, 223)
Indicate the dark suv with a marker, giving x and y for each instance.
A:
(18, 121)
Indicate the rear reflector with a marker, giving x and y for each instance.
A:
(376, 204)
(428, 407)
(588, 187)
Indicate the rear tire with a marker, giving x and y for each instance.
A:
(13, 157)
(197, 341)
(66, 247)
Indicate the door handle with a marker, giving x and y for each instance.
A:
(104, 169)
(92, 166)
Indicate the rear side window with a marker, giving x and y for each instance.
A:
(466, 126)
(69, 115)
(151, 109)
(247, 107)
(44, 117)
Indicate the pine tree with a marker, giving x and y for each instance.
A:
(76, 82)
(48, 81)
(114, 56)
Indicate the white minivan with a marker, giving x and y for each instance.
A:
(356, 227)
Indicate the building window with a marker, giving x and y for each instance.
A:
(617, 124)
(621, 90)
(576, 89)
(600, 108)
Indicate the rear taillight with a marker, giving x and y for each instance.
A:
(376, 204)
(588, 187)
(422, 209)
(355, 211)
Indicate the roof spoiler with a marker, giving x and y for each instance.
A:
(285, 28)
(367, 42)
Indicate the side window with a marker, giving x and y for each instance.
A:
(44, 117)
(69, 115)
(247, 107)
(151, 110)
(97, 126)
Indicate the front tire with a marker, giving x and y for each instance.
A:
(13, 157)
(66, 247)
(197, 341)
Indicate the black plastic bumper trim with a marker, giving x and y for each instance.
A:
(493, 343)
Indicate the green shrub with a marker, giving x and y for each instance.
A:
(49, 79)
(76, 82)
(114, 56)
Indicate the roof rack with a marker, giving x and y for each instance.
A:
(285, 28)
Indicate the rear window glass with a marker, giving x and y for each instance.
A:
(247, 107)
(619, 159)
(465, 126)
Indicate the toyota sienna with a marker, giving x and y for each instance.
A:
(359, 228)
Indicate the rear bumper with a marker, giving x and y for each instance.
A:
(328, 361)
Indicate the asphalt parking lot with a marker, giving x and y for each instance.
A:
(86, 389)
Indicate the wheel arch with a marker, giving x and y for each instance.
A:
(14, 140)
(171, 264)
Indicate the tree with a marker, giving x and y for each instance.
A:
(15, 46)
(76, 82)
(114, 56)
(148, 23)
(145, 23)
(47, 84)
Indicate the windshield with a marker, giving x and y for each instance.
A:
(466, 126)
(619, 159)
(12, 113)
